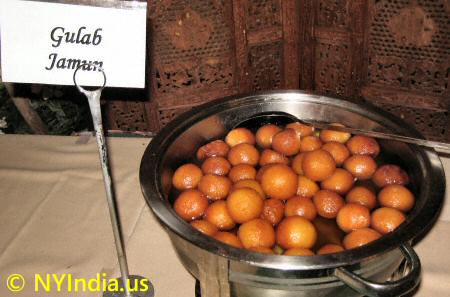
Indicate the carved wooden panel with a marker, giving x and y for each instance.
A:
(410, 45)
(191, 50)
(408, 63)
(393, 53)
(127, 116)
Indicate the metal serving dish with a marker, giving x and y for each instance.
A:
(226, 271)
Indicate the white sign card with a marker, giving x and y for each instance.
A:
(44, 42)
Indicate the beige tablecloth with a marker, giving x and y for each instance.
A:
(54, 219)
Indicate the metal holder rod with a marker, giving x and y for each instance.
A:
(94, 105)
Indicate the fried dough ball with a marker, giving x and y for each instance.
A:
(262, 250)
(310, 143)
(338, 151)
(256, 233)
(279, 181)
(216, 148)
(286, 142)
(240, 135)
(361, 166)
(363, 145)
(273, 211)
(190, 205)
(331, 135)
(186, 177)
(298, 252)
(328, 203)
(250, 183)
(300, 206)
(216, 165)
(205, 227)
(327, 232)
(306, 187)
(360, 237)
(330, 249)
(390, 175)
(215, 187)
(265, 134)
(261, 170)
(228, 238)
(243, 153)
(218, 215)
(301, 129)
(318, 165)
(297, 163)
(296, 232)
(244, 205)
(396, 196)
(353, 216)
(363, 196)
(242, 172)
(340, 182)
(272, 157)
(386, 219)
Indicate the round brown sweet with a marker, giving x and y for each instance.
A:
(361, 166)
(300, 206)
(301, 129)
(243, 153)
(261, 170)
(186, 177)
(228, 238)
(296, 232)
(386, 219)
(338, 151)
(190, 205)
(298, 252)
(250, 183)
(218, 215)
(310, 143)
(330, 249)
(306, 187)
(360, 237)
(269, 156)
(240, 135)
(353, 216)
(331, 135)
(216, 148)
(328, 203)
(286, 142)
(256, 233)
(205, 227)
(244, 205)
(318, 165)
(279, 181)
(262, 250)
(363, 145)
(242, 172)
(396, 196)
(363, 196)
(265, 134)
(273, 211)
(390, 174)
(215, 187)
(297, 163)
(340, 182)
(216, 165)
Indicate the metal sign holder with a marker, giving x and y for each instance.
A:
(125, 280)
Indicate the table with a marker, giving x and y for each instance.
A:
(54, 219)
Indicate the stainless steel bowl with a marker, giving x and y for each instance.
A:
(227, 271)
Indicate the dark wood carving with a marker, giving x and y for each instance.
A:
(392, 53)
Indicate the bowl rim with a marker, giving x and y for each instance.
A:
(151, 163)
